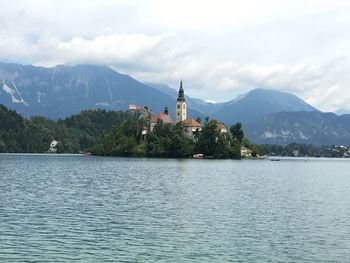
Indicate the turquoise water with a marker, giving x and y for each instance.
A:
(61, 208)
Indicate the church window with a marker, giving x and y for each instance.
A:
(178, 106)
(184, 106)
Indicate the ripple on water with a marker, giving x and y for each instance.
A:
(92, 209)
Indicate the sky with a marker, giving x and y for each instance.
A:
(219, 48)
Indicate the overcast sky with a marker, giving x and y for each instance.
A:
(219, 48)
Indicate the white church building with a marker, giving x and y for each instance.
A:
(190, 125)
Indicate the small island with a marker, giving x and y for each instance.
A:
(145, 135)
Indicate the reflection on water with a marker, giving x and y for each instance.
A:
(94, 209)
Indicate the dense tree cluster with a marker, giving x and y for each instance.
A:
(116, 134)
(306, 150)
(12, 131)
(127, 140)
(169, 140)
(77, 133)
(120, 133)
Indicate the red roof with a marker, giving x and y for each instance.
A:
(161, 116)
(191, 123)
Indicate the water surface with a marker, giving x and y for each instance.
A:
(57, 208)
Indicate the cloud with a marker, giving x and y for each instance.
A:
(220, 48)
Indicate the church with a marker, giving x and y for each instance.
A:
(190, 125)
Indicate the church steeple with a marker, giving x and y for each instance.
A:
(181, 109)
(181, 95)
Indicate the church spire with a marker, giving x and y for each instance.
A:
(181, 108)
(181, 95)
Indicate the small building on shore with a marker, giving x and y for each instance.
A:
(53, 147)
(246, 153)
(191, 127)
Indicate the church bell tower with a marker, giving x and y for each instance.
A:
(181, 108)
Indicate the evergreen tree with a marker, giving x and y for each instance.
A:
(237, 132)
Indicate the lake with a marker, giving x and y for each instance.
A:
(64, 208)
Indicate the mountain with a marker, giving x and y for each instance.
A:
(252, 106)
(64, 90)
(301, 127)
(342, 112)
(196, 107)
(163, 88)
(246, 108)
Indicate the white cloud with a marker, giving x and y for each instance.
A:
(220, 48)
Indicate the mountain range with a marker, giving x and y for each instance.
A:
(340, 112)
(316, 128)
(268, 116)
(246, 108)
(64, 90)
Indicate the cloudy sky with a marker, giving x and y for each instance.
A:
(219, 48)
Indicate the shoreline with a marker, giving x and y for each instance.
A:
(281, 158)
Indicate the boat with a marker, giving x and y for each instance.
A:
(198, 156)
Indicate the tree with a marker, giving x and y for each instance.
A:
(2, 146)
(237, 140)
(180, 146)
(211, 142)
(208, 138)
(235, 150)
(222, 149)
(237, 132)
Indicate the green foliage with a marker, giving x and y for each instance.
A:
(117, 134)
(12, 131)
(77, 133)
(238, 140)
(212, 142)
(2, 146)
(235, 150)
(208, 138)
(305, 150)
(122, 140)
(222, 149)
(237, 132)
(164, 141)
(256, 149)
(89, 126)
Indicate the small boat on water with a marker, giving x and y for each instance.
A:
(275, 160)
(198, 156)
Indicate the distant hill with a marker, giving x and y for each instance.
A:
(64, 90)
(76, 133)
(301, 127)
(342, 112)
(252, 106)
(268, 116)
(196, 107)
(246, 108)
